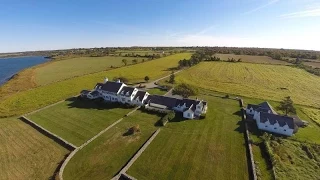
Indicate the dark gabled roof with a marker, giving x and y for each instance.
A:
(274, 118)
(95, 93)
(85, 92)
(162, 100)
(111, 86)
(253, 106)
(266, 105)
(140, 94)
(127, 89)
(260, 109)
(99, 85)
(189, 103)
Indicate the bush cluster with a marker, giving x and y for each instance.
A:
(167, 118)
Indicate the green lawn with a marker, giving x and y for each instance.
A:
(25, 153)
(79, 120)
(212, 148)
(157, 91)
(272, 82)
(65, 69)
(107, 154)
(26, 101)
(251, 59)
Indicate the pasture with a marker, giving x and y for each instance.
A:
(313, 114)
(64, 69)
(78, 120)
(251, 59)
(26, 101)
(26, 153)
(271, 82)
(212, 148)
(314, 64)
(106, 155)
(296, 160)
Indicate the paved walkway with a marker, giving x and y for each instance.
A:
(137, 155)
(87, 142)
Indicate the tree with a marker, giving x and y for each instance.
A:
(124, 61)
(185, 90)
(146, 78)
(172, 76)
(286, 105)
(134, 61)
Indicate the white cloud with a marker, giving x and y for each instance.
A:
(261, 7)
(315, 12)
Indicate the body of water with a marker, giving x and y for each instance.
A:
(11, 66)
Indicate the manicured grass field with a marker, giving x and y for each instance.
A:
(78, 120)
(65, 69)
(212, 148)
(106, 155)
(25, 153)
(251, 59)
(25, 101)
(272, 82)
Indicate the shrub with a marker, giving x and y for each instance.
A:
(133, 130)
(202, 116)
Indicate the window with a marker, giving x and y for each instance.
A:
(189, 115)
(266, 126)
(275, 128)
(285, 130)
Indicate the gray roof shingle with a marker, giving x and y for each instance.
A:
(274, 118)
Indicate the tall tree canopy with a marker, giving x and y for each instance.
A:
(286, 105)
(185, 90)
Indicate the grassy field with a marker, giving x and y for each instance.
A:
(77, 120)
(65, 69)
(313, 64)
(251, 59)
(296, 160)
(25, 101)
(272, 82)
(106, 155)
(212, 148)
(313, 114)
(26, 153)
(157, 91)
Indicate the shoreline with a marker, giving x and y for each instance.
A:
(12, 57)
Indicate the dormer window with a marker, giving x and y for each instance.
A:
(122, 92)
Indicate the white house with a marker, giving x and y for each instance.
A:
(267, 119)
(120, 92)
(140, 97)
(189, 107)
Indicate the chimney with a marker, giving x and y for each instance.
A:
(118, 81)
(105, 80)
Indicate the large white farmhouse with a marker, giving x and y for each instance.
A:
(267, 119)
(120, 92)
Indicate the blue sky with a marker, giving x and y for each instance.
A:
(43, 24)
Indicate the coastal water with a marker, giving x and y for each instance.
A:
(11, 66)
